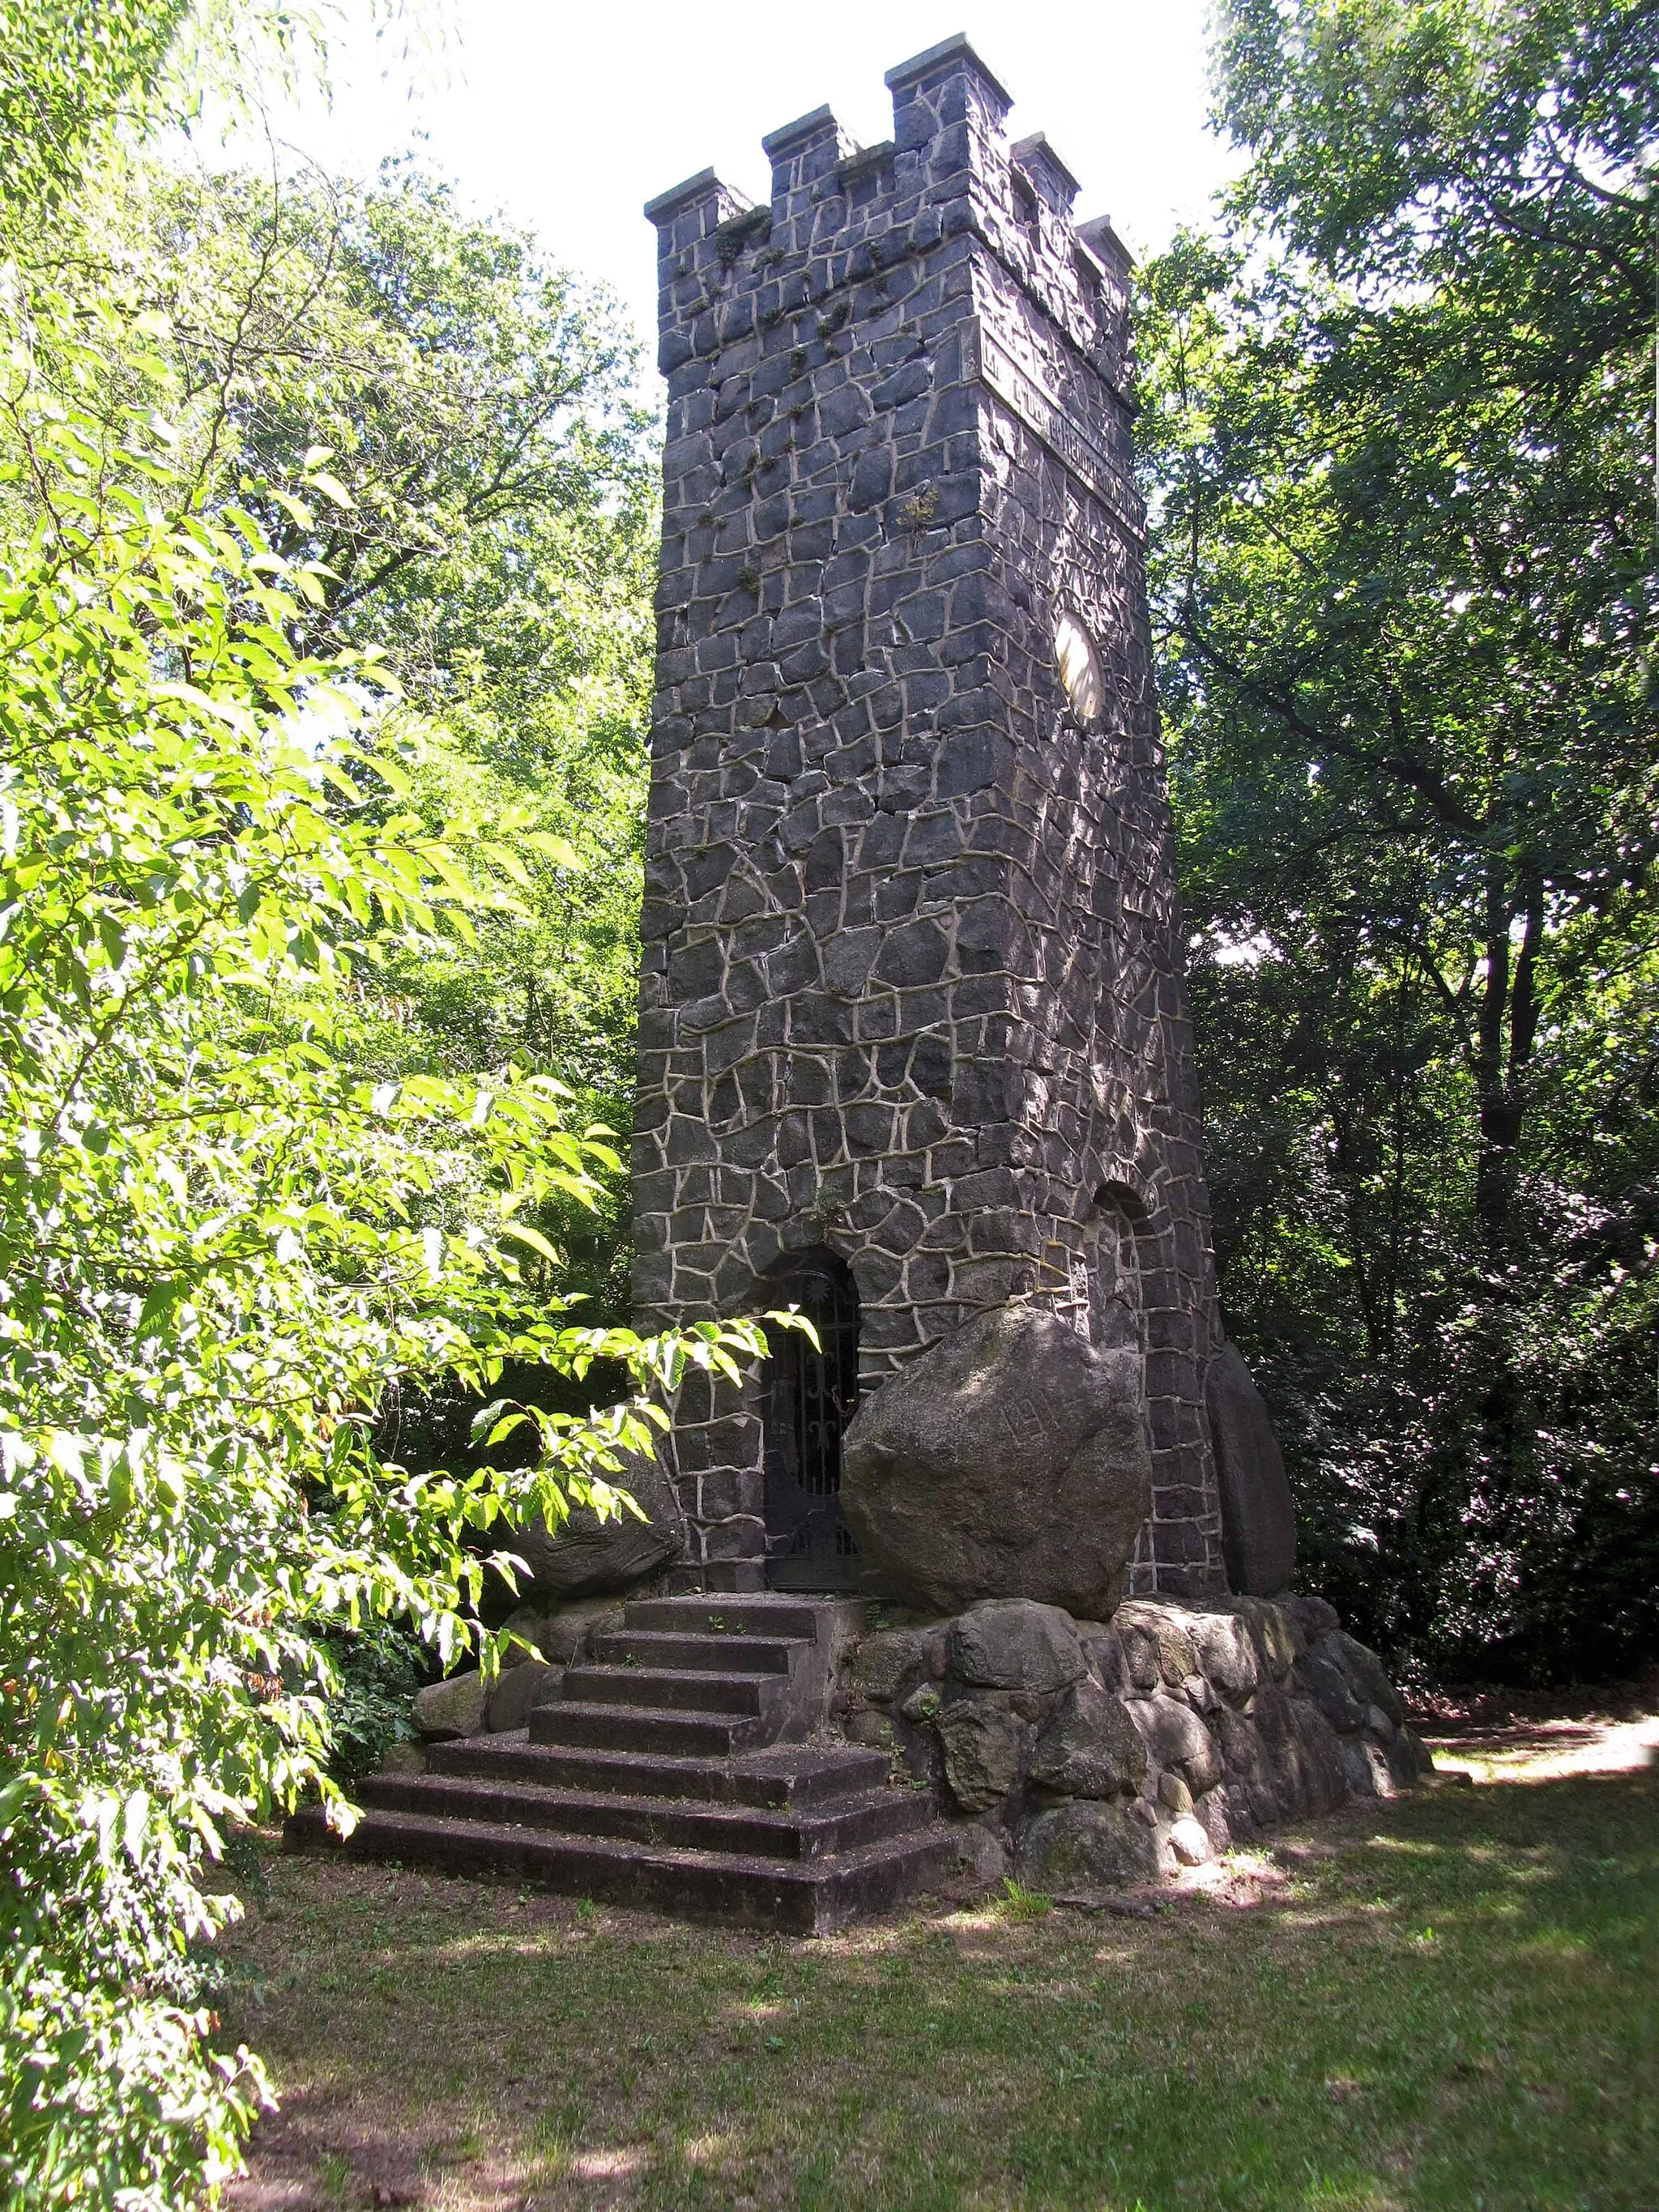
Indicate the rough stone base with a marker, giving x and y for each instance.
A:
(1091, 1755)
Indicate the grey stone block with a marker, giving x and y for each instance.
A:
(1084, 1845)
(1258, 1519)
(1091, 1747)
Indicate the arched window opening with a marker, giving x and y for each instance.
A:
(1118, 1268)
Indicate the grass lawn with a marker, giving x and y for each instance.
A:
(1449, 2001)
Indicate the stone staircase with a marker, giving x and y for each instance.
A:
(673, 1772)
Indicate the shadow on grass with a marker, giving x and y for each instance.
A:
(1449, 2001)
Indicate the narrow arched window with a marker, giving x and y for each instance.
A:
(1081, 677)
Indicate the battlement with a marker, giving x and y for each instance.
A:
(886, 216)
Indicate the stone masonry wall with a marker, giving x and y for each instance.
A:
(1079, 1755)
(913, 979)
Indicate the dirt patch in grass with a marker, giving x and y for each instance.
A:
(1449, 2001)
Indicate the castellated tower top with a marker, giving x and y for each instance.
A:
(913, 1040)
(948, 152)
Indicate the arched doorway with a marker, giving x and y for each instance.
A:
(810, 1397)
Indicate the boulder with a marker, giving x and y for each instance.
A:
(872, 1730)
(1238, 1742)
(985, 1744)
(1104, 1648)
(1317, 1762)
(1013, 1643)
(888, 1663)
(1085, 1844)
(1142, 1623)
(1173, 1794)
(1210, 1811)
(1320, 1675)
(1175, 1736)
(448, 1709)
(404, 1758)
(589, 1555)
(559, 1630)
(1410, 1759)
(1191, 1840)
(1278, 1639)
(984, 1853)
(1315, 1616)
(518, 1690)
(1226, 1652)
(1366, 1768)
(1091, 1747)
(1010, 1460)
(1368, 1674)
(1258, 1520)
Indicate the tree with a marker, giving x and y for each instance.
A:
(1397, 431)
(498, 543)
(233, 1215)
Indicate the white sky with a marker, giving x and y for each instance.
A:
(568, 116)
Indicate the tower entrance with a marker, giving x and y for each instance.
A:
(810, 1397)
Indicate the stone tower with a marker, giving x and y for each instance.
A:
(913, 1037)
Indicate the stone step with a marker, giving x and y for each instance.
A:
(871, 1816)
(649, 1728)
(665, 1689)
(721, 1654)
(740, 1615)
(742, 1891)
(661, 1775)
(803, 1776)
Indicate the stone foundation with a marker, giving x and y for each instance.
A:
(1077, 1755)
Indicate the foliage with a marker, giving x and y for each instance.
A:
(68, 68)
(1397, 433)
(245, 1192)
(377, 1669)
(1018, 1903)
(496, 542)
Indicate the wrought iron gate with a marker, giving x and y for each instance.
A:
(810, 1398)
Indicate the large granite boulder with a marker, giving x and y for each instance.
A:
(1323, 1679)
(517, 1692)
(1156, 1642)
(1365, 1667)
(589, 1555)
(885, 1666)
(1010, 1460)
(560, 1629)
(1226, 1652)
(1258, 1520)
(1175, 1737)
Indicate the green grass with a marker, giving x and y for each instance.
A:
(1449, 2001)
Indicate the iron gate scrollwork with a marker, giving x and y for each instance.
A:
(811, 1396)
